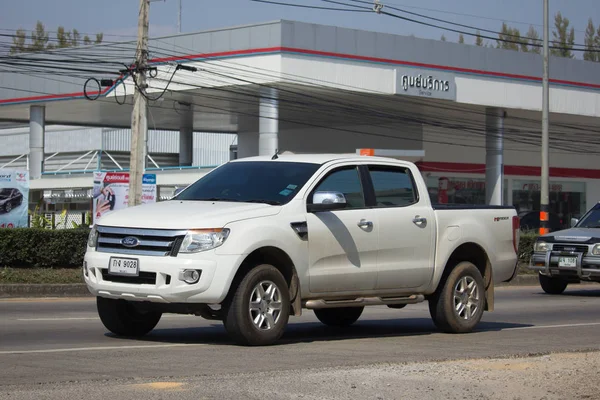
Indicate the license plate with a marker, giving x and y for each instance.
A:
(123, 266)
(567, 261)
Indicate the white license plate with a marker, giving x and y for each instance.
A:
(567, 261)
(124, 266)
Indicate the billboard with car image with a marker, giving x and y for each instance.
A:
(14, 198)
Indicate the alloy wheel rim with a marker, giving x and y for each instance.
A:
(467, 298)
(265, 305)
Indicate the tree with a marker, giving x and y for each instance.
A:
(40, 38)
(18, 45)
(590, 42)
(62, 38)
(564, 38)
(534, 39)
(75, 38)
(478, 39)
(443, 38)
(461, 38)
(509, 38)
(597, 44)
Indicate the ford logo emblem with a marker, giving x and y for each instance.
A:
(130, 241)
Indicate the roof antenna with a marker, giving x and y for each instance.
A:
(276, 155)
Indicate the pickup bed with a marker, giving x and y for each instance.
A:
(259, 239)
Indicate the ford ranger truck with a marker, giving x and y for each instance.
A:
(570, 255)
(259, 239)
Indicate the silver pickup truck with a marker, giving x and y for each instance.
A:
(569, 256)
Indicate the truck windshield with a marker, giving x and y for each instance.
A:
(591, 219)
(270, 182)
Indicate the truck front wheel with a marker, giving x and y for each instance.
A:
(124, 319)
(457, 306)
(552, 285)
(258, 311)
(339, 317)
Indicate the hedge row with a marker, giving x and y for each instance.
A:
(42, 248)
(526, 247)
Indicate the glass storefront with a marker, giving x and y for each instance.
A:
(448, 190)
(567, 199)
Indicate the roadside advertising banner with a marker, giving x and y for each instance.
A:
(14, 198)
(111, 192)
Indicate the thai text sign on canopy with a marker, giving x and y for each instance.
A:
(425, 83)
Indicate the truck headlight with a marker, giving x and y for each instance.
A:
(596, 249)
(541, 247)
(93, 237)
(203, 239)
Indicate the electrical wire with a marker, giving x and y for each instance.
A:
(304, 105)
(456, 30)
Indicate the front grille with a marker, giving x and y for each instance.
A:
(144, 278)
(148, 242)
(570, 248)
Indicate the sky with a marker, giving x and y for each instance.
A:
(119, 17)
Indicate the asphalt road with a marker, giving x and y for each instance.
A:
(55, 346)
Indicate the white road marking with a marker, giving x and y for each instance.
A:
(100, 348)
(552, 326)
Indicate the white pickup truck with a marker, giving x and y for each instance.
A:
(260, 238)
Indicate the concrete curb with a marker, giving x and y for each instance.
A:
(80, 289)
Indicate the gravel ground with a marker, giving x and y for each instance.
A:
(556, 376)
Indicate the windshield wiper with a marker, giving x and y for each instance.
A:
(270, 202)
(218, 199)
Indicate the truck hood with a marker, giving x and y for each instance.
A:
(177, 214)
(575, 234)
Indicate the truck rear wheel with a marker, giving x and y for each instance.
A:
(339, 317)
(124, 319)
(552, 285)
(259, 309)
(457, 306)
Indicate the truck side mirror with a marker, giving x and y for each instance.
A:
(326, 201)
(574, 221)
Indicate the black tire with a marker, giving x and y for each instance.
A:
(124, 319)
(238, 316)
(552, 285)
(339, 317)
(442, 304)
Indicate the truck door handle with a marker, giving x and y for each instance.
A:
(419, 220)
(363, 223)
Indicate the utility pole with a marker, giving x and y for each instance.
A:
(544, 196)
(139, 122)
(179, 18)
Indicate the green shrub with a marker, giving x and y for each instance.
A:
(526, 246)
(42, 248)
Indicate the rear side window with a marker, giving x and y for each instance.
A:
(394, 187)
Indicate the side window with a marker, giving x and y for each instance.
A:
(393, 186)
(347, 181)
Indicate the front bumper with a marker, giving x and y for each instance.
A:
(586, 268)
(159, 278)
